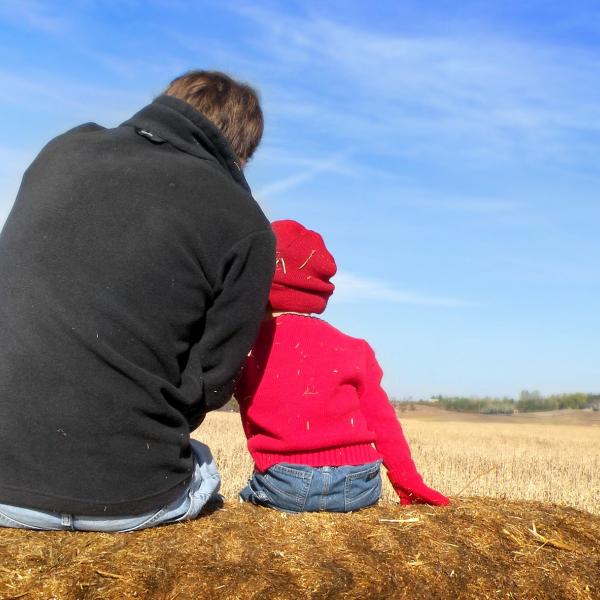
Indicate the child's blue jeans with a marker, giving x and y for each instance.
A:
(300, 488)
(203, 487)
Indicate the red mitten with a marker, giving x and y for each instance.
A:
(404, 497)
(420, 494)
(410, 488)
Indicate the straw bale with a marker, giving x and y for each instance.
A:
(476, 548)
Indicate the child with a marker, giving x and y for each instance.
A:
(317, 421)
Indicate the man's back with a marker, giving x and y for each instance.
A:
(119, 265)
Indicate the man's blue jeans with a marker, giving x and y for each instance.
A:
(300, 488)
(203, 488)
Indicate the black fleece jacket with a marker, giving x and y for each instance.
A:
(134, 272)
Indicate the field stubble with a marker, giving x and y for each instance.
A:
(547, 462)
(476, 548)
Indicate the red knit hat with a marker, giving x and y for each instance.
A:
(303, 268)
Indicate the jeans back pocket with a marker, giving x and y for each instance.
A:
(363, 487)
(286, 486)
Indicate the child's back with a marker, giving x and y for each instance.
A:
(304, 384)
(318, 422)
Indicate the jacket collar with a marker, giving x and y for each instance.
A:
(179, 123)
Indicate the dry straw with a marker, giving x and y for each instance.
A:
(476, 548)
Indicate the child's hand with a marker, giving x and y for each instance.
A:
(419, 493)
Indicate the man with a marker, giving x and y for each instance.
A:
(135, 268)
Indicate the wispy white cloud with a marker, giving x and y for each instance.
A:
(280, 154)
(80, 99)
(440, 202)
(350, 287)
(12, 165)
(9, 157)
(481, 206)
(312, 169)
(519, 212)
(32, 14)
(473, 91)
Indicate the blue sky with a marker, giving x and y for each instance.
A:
(448, 152)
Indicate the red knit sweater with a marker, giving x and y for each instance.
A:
(309, 394)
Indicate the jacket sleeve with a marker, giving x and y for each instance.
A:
(231, 324)
(389, 438)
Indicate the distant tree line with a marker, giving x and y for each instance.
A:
(488, 405)
(527, 402)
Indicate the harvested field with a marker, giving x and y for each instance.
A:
(501, 546)
(477, 548)
(478, 456)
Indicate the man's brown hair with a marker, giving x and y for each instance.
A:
(232, 106)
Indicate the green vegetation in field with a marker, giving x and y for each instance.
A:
(527, 402)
